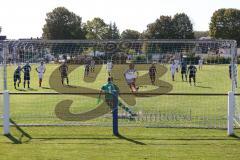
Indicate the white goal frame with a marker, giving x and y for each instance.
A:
(231, 94)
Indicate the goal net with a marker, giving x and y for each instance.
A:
(1, 84)
(157, 94)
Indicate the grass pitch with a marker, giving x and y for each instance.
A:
(96, 142)
(39, 109)
(70, 143)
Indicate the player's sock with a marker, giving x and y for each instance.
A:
(18, 84)
(28, 84)
(15, 85)
(126, 109)
(24, 84)
(40, 83)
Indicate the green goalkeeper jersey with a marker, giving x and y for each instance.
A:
(108, 89)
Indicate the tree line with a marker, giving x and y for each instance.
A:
(63, 24)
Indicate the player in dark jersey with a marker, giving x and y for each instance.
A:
(192, 74)
(184, 70)
(64, 72)
(152, 73)
(108, 89)
(26, 70)
(87, 69)
(17, 76)
(92, 65)
(230, 71)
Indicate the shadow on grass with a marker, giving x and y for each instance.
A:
(13, 139)
(18, 89)
(32, 89)
(235, 136)
(16, 139)
(203, 86)
(46, 88)
(130, 140)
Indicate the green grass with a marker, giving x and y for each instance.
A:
(212, 79)
(40, 108)
(65, 143)
(96, 142)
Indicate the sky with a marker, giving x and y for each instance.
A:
(25, 18)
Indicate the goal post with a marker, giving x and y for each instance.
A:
(230, 120)
(6, 113)
(161, 101)
(5, 92)
(233, 100)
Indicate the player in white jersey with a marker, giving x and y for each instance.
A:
(176, 62)
(41, 70)
(109, 67)
(173, 69)
(130, 76)
(200, 63)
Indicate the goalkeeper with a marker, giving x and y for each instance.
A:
(108, 89)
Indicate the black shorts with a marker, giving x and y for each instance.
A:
(152, 75)
(183, 71)
(26, 76)
(192, 75)
(64, 75)
(16, 77)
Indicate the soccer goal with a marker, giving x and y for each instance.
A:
(159, 83)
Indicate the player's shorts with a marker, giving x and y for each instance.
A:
(26, 76)
(40, 75)
(172, 72)
(109, 70)
(86, 69)
(192, 75)
(183, 72)
(152, 75)
(130, 81)
(64, 75)
(16, 77)
(109, 102)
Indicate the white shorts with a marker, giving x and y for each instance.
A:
(172, 72)
(40, 75)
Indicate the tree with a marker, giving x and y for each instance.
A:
(130, 34)
(182, 27)
(162, 28)
(166, 27)
(63, 24)
(225, 23)
(113, 32)
(96, 29)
